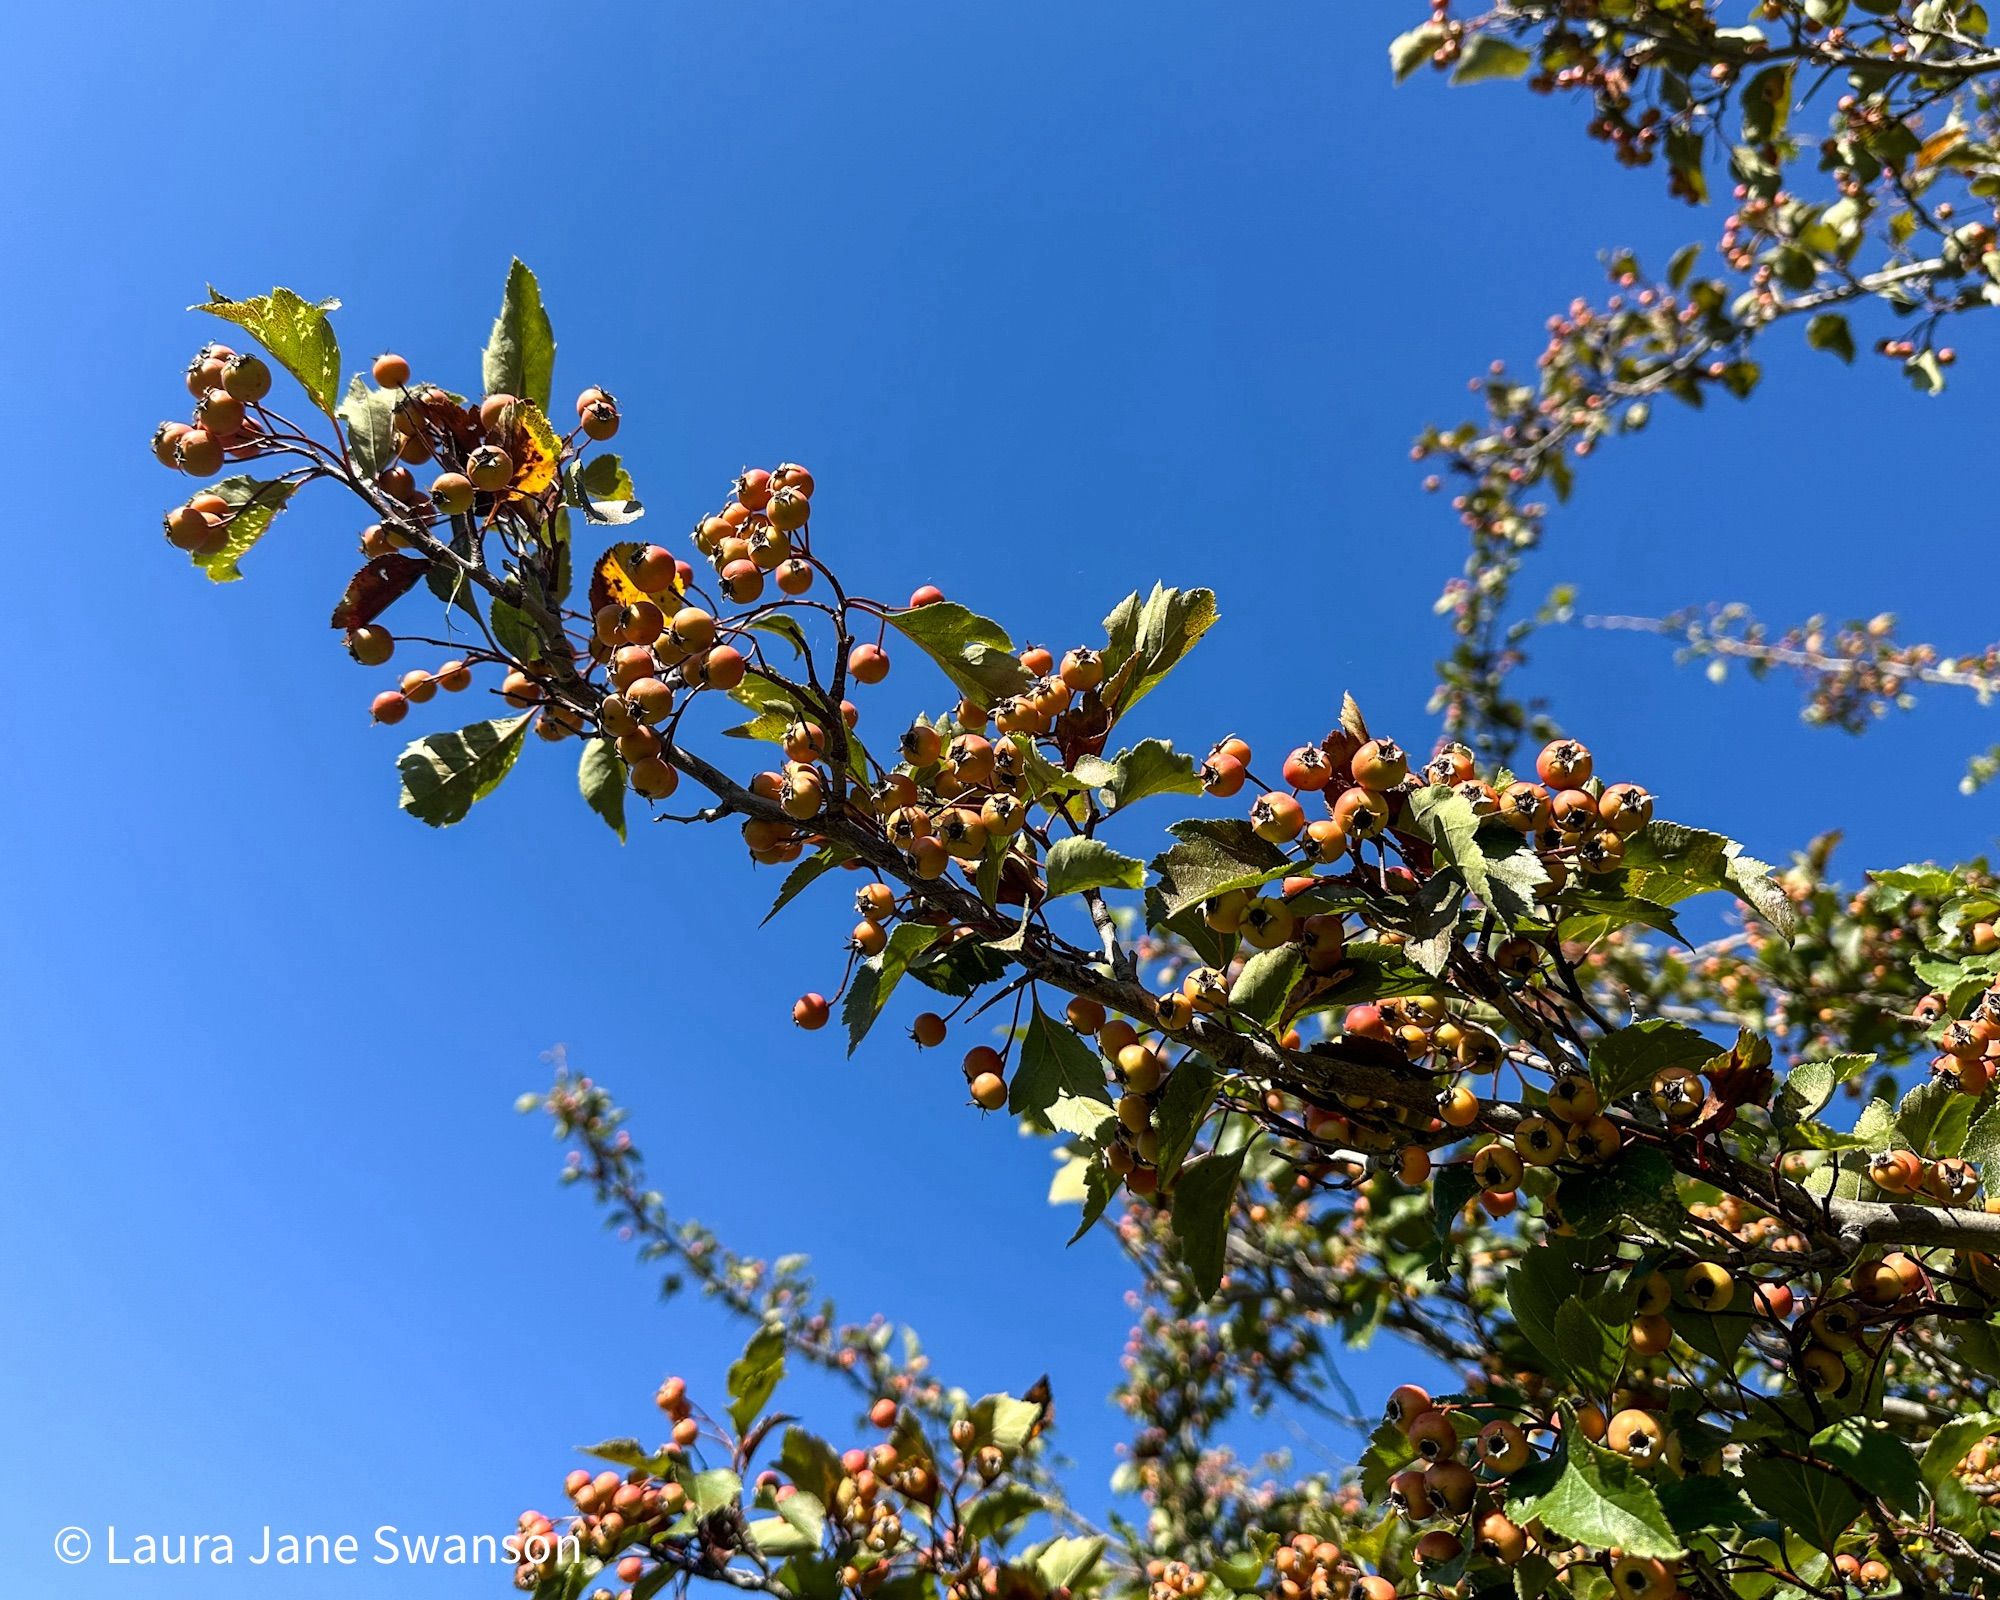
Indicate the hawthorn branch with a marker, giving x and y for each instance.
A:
(1985, 685)
(1324, 1076)
(1898, 1222)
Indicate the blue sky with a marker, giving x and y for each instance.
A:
(1054, 301)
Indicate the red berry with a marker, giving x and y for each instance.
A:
(810, 1011)
(198, 453)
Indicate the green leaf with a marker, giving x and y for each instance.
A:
(1590, 917)
(1895, 885)
(1240, 1569)
(1098, 1188)
(1875, 1458)
(602, 490)
(1211, 857)
(974, 653)
(600, 775)
(630, 1453)
(520, 355)
(1809, 1085)
(1719, 1336)
(446, 774)
(1054, 1061)
(1184, 1105)
(711, 1491)
(1602, 1501)
(1513, 875)
(1638, 1184)
(1627, 1060)
(1829, 331)
(1539, 1283)
(295, 332)
(1534, 1577)
(370, 418)
(1933, 1117)
(1982, 1139)
(648, 1586)
(1697, 1504)
(1076, 864)
(811, 1463)
(1148, 641)
(754, 1375)
(1202, 1198)
(779, 1536)
(1766, 102)
(1752, 881)
(1488, 56)
(1668, 863)
(806, 873)
(1952, 1442)
(1000, 1419)
(1446, 818)
(1062, 1563)
(1389, 1451)
(957, 969)
(1150, 767)
(1409, 51)
(1809, 1500)
(1588, 1346)
(999, 1513)
(805, 1512)
(1450, 1189)
(1265, 983)
(256, 502)
(876, 978)
(513, 632)
(445, 580)
(1080, 1117)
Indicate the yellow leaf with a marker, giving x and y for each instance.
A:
(536, 450)
(611, 581)
(1940, 144)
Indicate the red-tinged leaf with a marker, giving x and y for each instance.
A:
(376, 587)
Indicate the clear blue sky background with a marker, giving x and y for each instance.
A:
(1055, 301)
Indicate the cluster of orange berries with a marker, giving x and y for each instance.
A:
(1174, 1580)
(1968, 1056)
(1366, 782)
(1572, 1128)
(612, 1511)
(1307, 1567)
(1445, 1488)
(484, 448)
(227, 386)
(754, 534)
(1979, 1472)
(651, 656)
